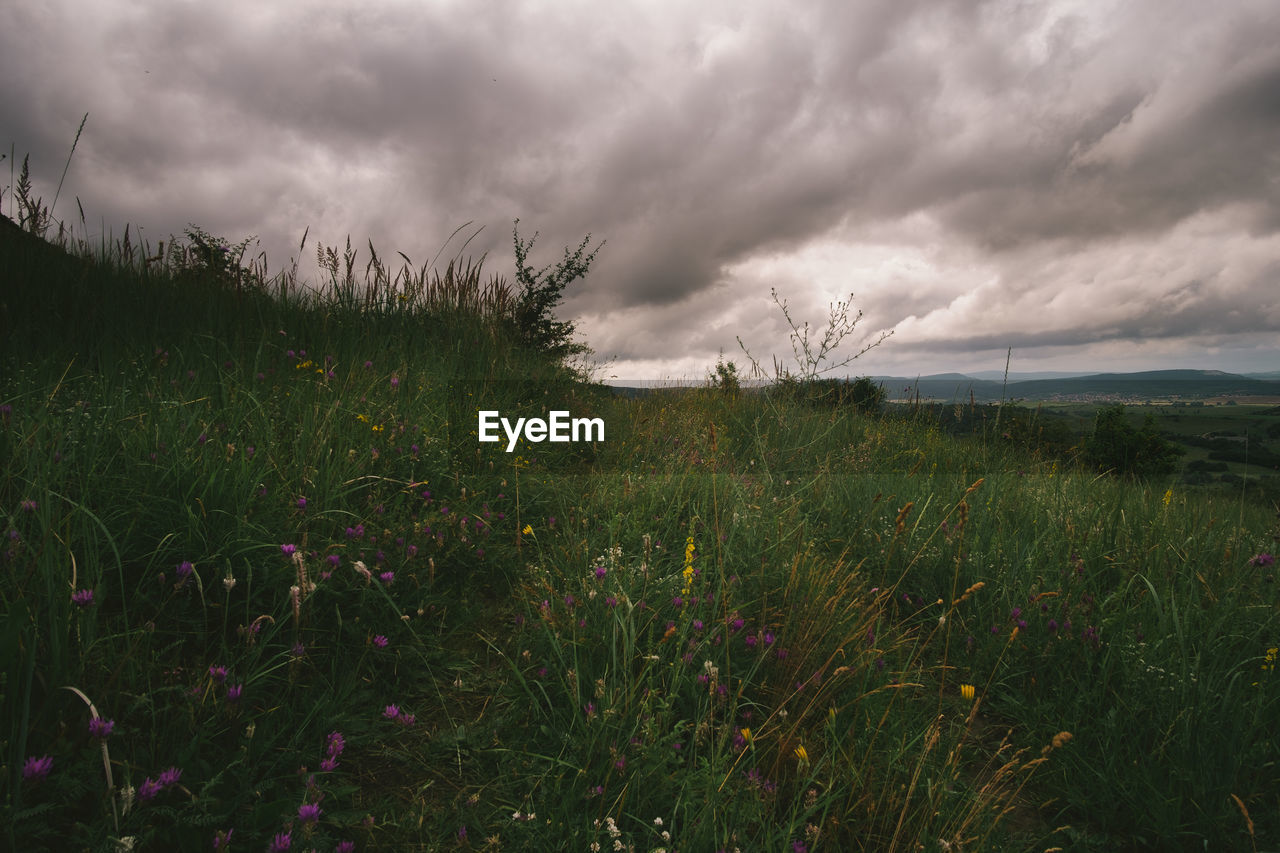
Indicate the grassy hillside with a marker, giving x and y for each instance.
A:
(263, 588)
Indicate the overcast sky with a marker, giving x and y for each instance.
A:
(1094, 184)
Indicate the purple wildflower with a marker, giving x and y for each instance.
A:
(36, 769)
(82, 598)
(600, 572)
(345, 847)
(101, 728)
(148, 789)
(282, 842)
(222, 840)
(28, 506)
(1263, 559)
(170, 777)
(386, 577)
(218, 673)
(380, 641)
(234, 692)
(391, 712)
(309, 812)
(288, 550)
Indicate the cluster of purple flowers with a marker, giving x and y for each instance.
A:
(333, 747)
(393, 712)
(151, 787)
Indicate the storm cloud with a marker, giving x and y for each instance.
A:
(1094, 184)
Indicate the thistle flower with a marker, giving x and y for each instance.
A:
(101, 728)
(36, 769)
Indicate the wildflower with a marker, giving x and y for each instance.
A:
(36, 769)
(28, 506)
(234, 692)
(391, 712)
(148, 789)
(280, 843)
(380, 641)
(82, 598)
(966, 690)
(289, 550)
(309, 812)
(222, 840)
(345, 847)
(170, 777)
(387, 578)
(528, 530)
(600, 572)
(302, 503)
(218, 673)
(802, 754)
(335, 744)
(101, 728)
(184, 571)
(1263, 559)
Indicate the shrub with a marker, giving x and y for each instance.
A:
(1116, 446)
(541, 291)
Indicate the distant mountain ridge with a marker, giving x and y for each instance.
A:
(1151, 384)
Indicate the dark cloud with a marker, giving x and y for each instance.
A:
(1064, 176)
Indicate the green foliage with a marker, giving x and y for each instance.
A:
(1116, 446)
(724, 378)
(540, 291)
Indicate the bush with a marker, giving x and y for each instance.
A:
(541, 291)
(1117, 447)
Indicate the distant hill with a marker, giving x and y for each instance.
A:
(1147, 385)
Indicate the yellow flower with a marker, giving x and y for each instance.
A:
(802, 754)
(377, 428)
(966, 690)
(746, 735)
(1168, 496)
(528, 530)
(362, 418)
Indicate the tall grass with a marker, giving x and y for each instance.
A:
(251, 525)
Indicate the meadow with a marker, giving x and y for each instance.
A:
(263, 589)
